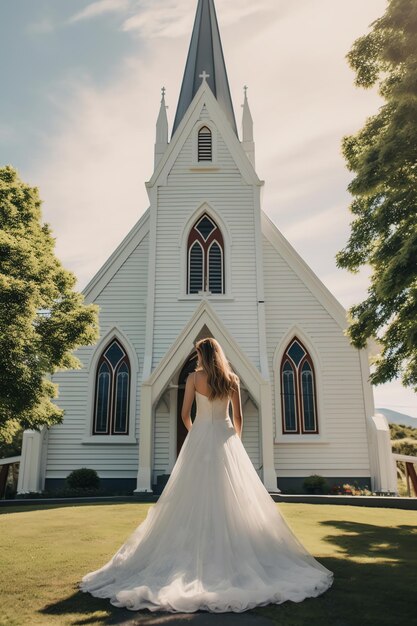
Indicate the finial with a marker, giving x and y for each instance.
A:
(204, 75)
(163, 90)
(245, 91)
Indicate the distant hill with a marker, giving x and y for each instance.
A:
(394, 417)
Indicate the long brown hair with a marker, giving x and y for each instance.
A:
(221, 379)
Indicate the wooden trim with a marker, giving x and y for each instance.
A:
(207, 168)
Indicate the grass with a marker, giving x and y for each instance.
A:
(45, 550)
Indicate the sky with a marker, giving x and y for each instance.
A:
(80, 93)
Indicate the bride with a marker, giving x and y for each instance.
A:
(215, 540)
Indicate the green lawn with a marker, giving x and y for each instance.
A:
(45, 550)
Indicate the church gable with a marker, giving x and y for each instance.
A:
(122, 301)
(204, 151)
(299, 269)
(226, 149)
(123, 251)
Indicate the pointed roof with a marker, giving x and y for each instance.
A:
(205, 54)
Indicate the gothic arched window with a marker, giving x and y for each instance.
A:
(205, 147)
(111, 394)
(205, 257)
(298, 391)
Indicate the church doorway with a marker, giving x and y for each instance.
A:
(189, 367)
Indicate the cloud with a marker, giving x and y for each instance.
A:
(318, 226)
(101, 7)
(43, 26)
(96, 161)
(7, 133)
(173, 18)
(348, 288)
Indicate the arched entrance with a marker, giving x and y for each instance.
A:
(181, 430)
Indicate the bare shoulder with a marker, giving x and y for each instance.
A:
(190, 377)
(236, 379)
(201, 374)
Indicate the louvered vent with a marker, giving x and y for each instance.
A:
(215, 269)
(196, 268)
(204, 144)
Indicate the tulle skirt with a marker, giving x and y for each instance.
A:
(214, 541)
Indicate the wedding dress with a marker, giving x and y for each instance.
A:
(215, 540)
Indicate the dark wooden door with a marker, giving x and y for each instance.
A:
(181, 430)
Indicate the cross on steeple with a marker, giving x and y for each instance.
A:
(205, 61)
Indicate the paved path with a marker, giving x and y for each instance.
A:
(199, 618)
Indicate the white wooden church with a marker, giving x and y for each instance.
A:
(205, 260)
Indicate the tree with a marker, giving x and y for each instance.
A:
(42, 318)
(383, 155)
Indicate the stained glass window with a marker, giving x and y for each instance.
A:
(299, 405)
(122, 398)
(290, 408)
(196, 268)
(205, 227)
(205, 257)
(307, 390)
(296, 352)
(215, 268)
(111, 406)
(103, 398)
(114, 353)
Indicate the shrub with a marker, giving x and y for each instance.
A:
(315, 483)
(404, 447)
(83, 478)
(400, 431)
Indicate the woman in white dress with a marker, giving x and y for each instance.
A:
(215, 540)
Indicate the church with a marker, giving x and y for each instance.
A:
(205, 260)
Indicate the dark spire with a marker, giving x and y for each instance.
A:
(205, 54)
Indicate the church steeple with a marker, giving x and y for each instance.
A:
(161, 139)
(247, 129)
(205, 54)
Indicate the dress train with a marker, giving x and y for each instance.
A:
(215, 540)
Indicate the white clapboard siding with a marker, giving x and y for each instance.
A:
(122, 305)
(250, 433)
(288, 301)
(233, 200)
(161, 437)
